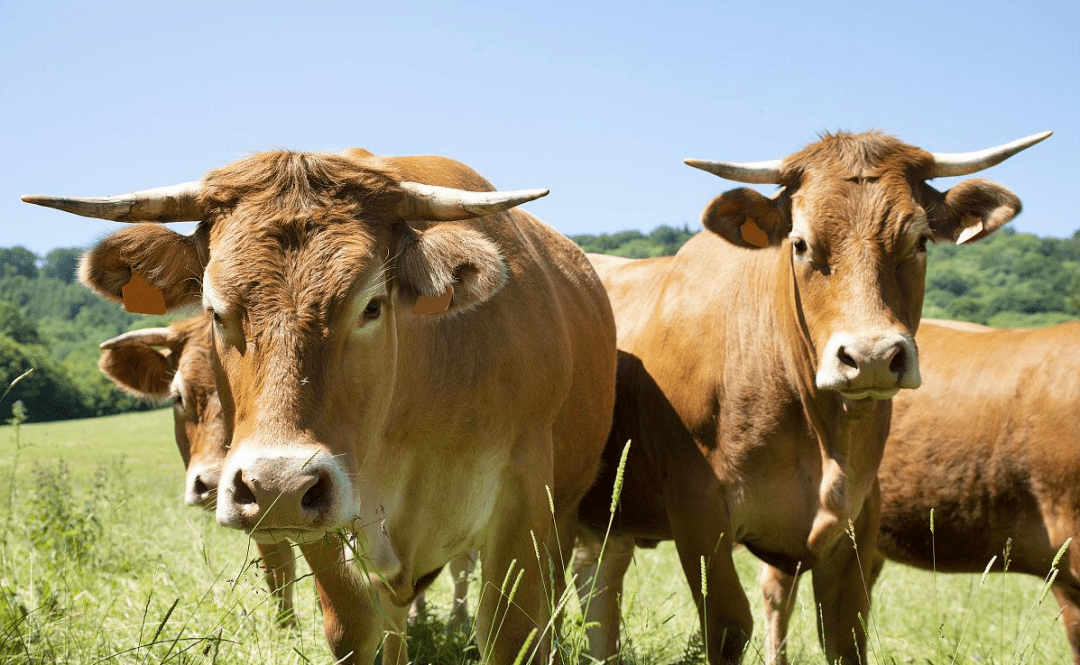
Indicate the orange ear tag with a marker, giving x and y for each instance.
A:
(141, 298)
(426, 305)
(753, 234)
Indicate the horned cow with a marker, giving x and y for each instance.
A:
(756, 366)
(386, 333)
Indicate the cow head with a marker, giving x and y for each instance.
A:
(854, 218)
(313, 269)
(175, 362)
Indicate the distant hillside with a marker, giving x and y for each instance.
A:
(55, 325)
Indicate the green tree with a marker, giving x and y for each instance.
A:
(16, 326)
(61, 264)
(18, 260)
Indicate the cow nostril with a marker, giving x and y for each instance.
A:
(199, 487)
(898, 362)
(318, 495)
(242, 494)
(846, 359)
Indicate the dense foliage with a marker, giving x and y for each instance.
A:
(54, 325)
(51, 323)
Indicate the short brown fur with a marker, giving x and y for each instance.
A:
(722, 350)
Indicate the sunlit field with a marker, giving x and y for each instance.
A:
(100, 562)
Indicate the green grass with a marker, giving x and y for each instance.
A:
(145, 579)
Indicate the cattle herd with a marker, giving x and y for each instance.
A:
(380, 334)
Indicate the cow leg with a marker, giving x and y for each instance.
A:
(279, 566)
(514, 595)
(779, 590)
(1068, 597)
(600, 585)
(461, 569)
(416, 608)
(1067, 587)
(357, 616)
(842, 580)
(701, 527)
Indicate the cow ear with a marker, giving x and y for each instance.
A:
(139, 369)
(168, 261)
(448, 268)
(973, 210)
(746, 218)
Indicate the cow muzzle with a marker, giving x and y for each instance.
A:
(284, 494)
(201, 484)
(872, 366)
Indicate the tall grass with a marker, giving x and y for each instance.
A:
(159, 582)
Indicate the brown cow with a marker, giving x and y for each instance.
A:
(755, 368)
(374, 358)
(989, 444)
(182, 369)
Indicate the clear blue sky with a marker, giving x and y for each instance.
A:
(598, 102)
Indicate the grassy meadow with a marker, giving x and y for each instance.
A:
(100, 562)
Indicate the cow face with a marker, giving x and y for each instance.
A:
(313, 269)
(853, 221)
(175, 362)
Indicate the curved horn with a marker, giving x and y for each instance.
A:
(143, 337)
(964, 163)
(175, 203)
(759, 173)
(444, 204)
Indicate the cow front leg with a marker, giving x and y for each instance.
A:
(515, 593)
(461, 569)
(779, 590)
(842, 582)
(724, 611)
(358, 617)
(1068, 597)
(279, 567)
(600, 584)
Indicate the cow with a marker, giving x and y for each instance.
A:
(756, 366)
(989, 444)
(175, 363)
(387, 333)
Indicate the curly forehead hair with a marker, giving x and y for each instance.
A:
(865, 155)
(286, 183)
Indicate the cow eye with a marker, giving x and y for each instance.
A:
(373, 309)
(923, 241)
(800, 246)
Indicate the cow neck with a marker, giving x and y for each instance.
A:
(831, 422)
(803, 353)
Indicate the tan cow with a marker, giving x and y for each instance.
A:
(990, 444)
(387, 333)
(176, 362)
(755, 368)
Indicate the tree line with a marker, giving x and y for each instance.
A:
(52, 324)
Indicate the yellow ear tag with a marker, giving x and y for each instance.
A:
(141, 298)
(426, 305)
(753, 234)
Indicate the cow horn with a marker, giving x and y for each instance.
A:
(142, 337)
(963, 163)
(175, 203)
(444, 204)
(759, 173)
